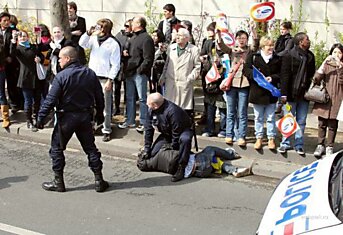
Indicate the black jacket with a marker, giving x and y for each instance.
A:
(283, 44)
(257, 94)
(170, 120)
(75, 89)
(141, 54)
(167, 35)
(289, 70)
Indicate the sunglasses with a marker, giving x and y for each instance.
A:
(126, 26)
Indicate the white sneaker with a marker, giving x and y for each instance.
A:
(240, 172)
(126, 125)
(320, 150)
(329, 151)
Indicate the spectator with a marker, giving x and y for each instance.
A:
(189, 26)
(213, 96)
(175, 30)
(138, 70)
(175, 128)
(170, 20)
(264, 103)
(331, 73)
(11, 63)
(74, 93)
(77, 26)
(182, 68)
(159, 61)
(27, 55)
(285, 41)
(237, 95)
(104, 60)
(123, 37)
(297, 70)
(203, 164)
(3, 99)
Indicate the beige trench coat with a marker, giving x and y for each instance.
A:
(180, 73)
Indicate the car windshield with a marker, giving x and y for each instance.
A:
(336, 187)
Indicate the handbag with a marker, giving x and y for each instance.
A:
(317, 93)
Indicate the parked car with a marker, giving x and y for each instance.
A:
(308, 201)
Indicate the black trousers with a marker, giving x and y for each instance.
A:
(185, 145)
(331, 125)
(67, 124)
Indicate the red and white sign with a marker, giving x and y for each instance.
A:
(287, 125)
(213, 74)
(262, 12)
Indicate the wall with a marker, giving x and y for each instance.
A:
(237, 10)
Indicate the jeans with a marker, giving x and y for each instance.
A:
(265, 110)
(211, 115)
(237, 106)
(299, 111)
(28, 98)
(3, 99)
(108, 95)
(139, 82)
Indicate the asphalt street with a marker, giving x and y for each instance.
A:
(136, 202)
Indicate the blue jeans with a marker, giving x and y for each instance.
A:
(299, 111)
(108, 95)
(237, 106)
(3, 99)
(28, 98)
(265, 110)
(139, 82)
(211, 115)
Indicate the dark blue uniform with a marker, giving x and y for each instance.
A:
(175, 127)
(75, 91)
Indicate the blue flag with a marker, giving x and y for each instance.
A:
(262, 82)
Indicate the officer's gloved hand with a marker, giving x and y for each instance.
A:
(39, 124)
(99, 118)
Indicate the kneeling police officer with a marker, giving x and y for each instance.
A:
(74, 92)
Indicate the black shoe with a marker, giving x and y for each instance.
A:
(55, 185)
(300, 151)
(282, 149)
(179, 175)
(101, 186)
(106, 137)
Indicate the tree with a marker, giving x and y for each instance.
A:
(59, 16)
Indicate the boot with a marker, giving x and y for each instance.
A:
(179, 175)
(56, 185)
(29, 122)
(258, 144)
(5, 116)
(271, 144)
(100, 184)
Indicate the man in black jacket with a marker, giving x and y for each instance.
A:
(175, 127)
(297, 70)
(166, 26)
(74, 92)
(137, 72)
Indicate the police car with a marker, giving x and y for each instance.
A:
(308, 201)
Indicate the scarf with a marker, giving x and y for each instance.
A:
(103, 38)
(167, 28)
(265, 57)
(25, 44)
(299, 82)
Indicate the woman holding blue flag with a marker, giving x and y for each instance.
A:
(262, 69)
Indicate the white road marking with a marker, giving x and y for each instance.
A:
(16, 230)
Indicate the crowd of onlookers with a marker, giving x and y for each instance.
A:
(168, 62)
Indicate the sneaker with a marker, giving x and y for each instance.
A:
(220, 135)
(126, 125)
(232, 150)
(300, 151)
(228, 140)
(242, 171)
(258, 144)
(320, 150)
(241, 142)
(106, 137)
(283, 149)
(329, 151)
(140, 128)
(205, 134)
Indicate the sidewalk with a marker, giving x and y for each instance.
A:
(126, 143)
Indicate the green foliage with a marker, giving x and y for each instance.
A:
(152, 18)
(5, 8)
(319, 50)
(299, 19)
(340, 37)
(28, 25)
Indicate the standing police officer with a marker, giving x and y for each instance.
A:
(73, 93)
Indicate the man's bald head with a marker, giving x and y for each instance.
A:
(155, 100)
(67, 55)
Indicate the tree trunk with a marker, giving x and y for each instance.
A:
(59, 16)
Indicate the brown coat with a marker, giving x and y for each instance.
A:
(333, 78)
